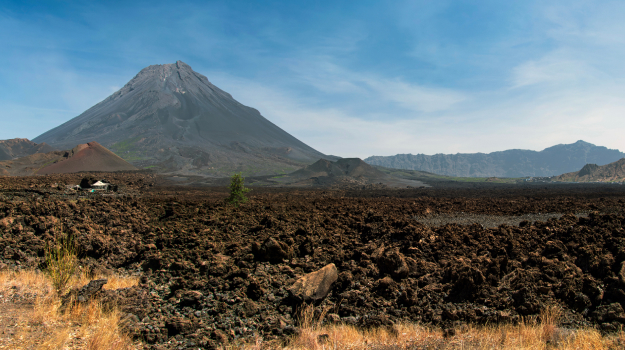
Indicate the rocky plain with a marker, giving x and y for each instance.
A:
(445, 256)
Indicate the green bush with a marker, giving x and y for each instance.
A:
(61, 260)
(237, 190)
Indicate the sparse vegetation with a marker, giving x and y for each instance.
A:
(527, 335)
(61, 260)
(541, 332)
(31, 317)
(126, 145)
(220, 274)
(128, 150)
(237, 190)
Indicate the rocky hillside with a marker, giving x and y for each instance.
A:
(343, 173)
(551, 161)
(172, 119)
(86, 157)
(592, 172)
(17, 148)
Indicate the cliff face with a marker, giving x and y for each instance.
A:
(551, 161)
(171, 118)
(592, 172)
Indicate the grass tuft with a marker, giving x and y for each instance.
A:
(61, 260)
(31, 317)
(542, 332)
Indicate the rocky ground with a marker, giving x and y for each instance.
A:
(214, 273)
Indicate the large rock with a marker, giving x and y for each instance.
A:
(83, 294)
(392, 262)
(178, 325)
(315, 285)
(273, 251)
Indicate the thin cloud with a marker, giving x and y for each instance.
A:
(517, 121)
(416, 98)
(552, 69)
(355, 80)
(330, 78)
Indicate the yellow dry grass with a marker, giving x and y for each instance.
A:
(30, 319)
(534, 333)
(30, 316)
(113, 281)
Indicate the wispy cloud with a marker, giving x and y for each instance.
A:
(350, 79)
(456, 121)
(362, 88)
(414, 97)
(555, 68)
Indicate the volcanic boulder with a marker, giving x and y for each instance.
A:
(272, 250)
(85, 293)
(392, 262)
(315, 285)
(467, 280)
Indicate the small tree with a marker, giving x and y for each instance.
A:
(237, 190)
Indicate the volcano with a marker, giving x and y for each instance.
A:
(86, 157)
(173, 120)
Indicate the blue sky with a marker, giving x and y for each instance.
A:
(350, 78)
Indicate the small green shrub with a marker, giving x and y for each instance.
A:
(237, 190)
(61, 260)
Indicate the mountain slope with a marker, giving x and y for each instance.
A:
(173, 119)
(554, 160)
(86, 157)
(17, 148)
(592, 172)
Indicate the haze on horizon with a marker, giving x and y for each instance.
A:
(353, 79)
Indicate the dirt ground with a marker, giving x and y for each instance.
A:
(447, 255)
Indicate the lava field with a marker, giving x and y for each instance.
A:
(212, 272)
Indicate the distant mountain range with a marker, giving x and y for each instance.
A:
(551, 161)
(593, 172)
(172, 119)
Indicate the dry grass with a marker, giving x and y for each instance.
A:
(30, 315)
(113, 281)
(406, 336)
(534, 333)
(30, 319)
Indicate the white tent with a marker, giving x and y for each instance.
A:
(100, 186)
